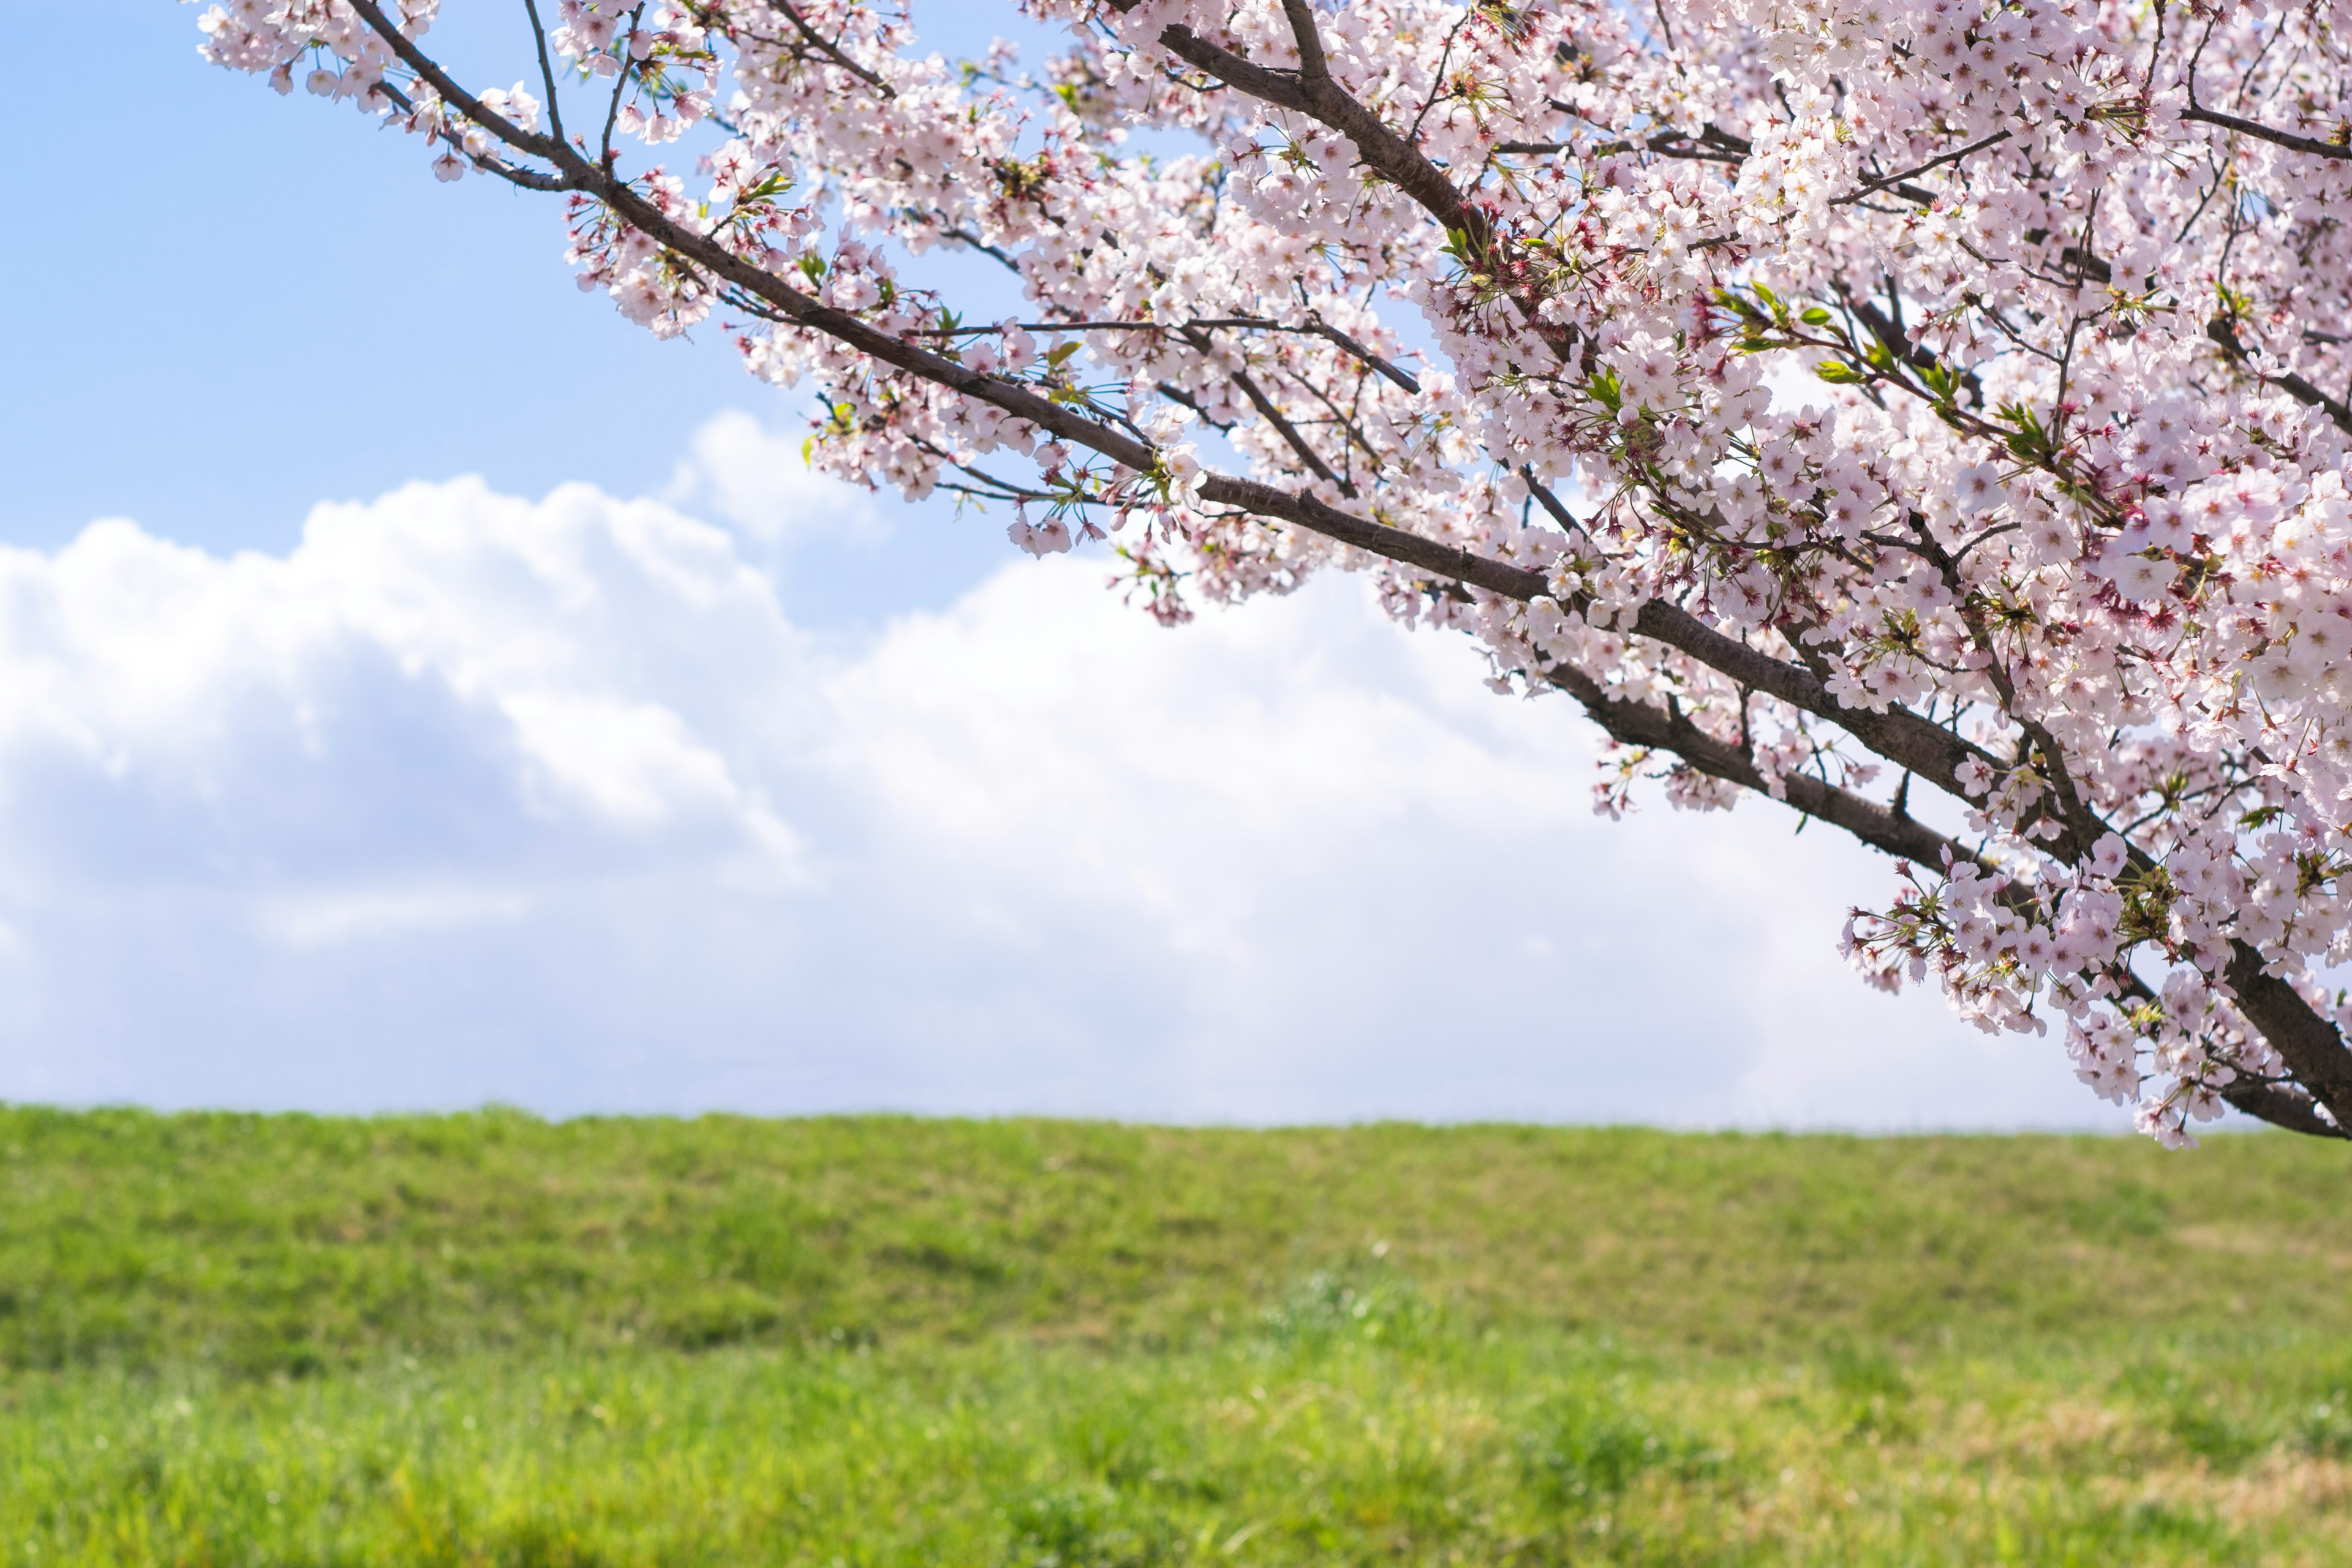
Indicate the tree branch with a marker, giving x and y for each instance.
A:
(1315, 329)
(546, 70)
(1312, 67)
(2282, 1106)
(2295, 386)
(2312, 1047)
(1290, 434)
(831, 51)
(2256, 129)
(1390, 154)
(1658, 729)
(1895, 183)
(2308, 1042)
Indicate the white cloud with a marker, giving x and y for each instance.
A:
(320, 916)
(760, 480)
(469, 796)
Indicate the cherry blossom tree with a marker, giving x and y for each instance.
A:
(1918, 411)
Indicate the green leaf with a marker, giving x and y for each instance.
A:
(1816, 317)
(1837, 372)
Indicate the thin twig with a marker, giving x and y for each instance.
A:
(1894, 181)
(833, 51)
(546, 70)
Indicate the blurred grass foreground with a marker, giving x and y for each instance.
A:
(489, 1340)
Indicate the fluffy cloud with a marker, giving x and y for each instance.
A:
(469, 796)
(747, 474)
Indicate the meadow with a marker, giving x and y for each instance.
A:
(490, 1340)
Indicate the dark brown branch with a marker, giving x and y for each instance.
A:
(1315, 329)
(1312, 67)
(2295, 386)
(546, 70)
(964, 236)
(2282, 1106)
(1667, 144)
(1658, 729)
(1290, 433)
(1902, 737)
(620, 90)
(2278, 138)
(1365, 356)
(1396, 158)
(2312, 1047)
(1895, 181)
(1388, 154)
(524, 179)
(831, 51)
(1550, 502)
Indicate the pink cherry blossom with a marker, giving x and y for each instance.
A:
(1931, 414)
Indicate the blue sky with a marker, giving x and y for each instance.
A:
(418, 687)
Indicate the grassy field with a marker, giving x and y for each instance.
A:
(489, 1340)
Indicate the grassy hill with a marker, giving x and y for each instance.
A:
(486, 1339)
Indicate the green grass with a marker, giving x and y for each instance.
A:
(490, 1340)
